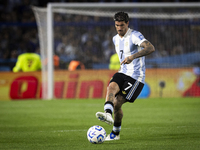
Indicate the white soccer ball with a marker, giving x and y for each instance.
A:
(96, 134)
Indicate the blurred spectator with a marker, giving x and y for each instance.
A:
(177, 50)
(87, 38)
(75, 65)
(13, 55)
(114, 62)
(66, 48)
(28, 62)
(56, 62)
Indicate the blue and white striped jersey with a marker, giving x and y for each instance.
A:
(126, 46)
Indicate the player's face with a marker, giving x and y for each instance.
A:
(121, 27)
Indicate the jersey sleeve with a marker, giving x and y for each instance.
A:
(137, 38)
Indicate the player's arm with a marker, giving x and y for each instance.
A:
(148, 48)
(17, 67)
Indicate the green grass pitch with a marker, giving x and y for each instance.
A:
(148, 124)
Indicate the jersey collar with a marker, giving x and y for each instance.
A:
(127, 32)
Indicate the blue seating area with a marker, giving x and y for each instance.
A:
(100, 66)
(177, 61)
(7, 65)
(5, 68)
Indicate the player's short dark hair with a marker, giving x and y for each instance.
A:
(121, 16)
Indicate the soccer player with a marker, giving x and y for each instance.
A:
(28, 62)
(127, 83)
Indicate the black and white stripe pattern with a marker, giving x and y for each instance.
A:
(132, 91)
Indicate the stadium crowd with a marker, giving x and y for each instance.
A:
(18, 29)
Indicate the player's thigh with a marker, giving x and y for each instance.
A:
(118, 78)
(113, 87)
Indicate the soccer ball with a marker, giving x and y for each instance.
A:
(96, 134)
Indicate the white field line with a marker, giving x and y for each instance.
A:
(83, 130)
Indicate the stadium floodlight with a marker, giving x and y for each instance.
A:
(152, 19)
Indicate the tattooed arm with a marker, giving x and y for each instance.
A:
(148, 48)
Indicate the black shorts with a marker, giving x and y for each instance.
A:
(129, 87)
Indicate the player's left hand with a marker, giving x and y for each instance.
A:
(127, 60)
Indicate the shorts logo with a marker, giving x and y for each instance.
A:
(123, 92)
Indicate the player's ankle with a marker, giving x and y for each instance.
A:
(115, 133)
(108, 111)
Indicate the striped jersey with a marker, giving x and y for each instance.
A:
(126, 46)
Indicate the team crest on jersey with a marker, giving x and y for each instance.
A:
(126, 44)
(123, 92)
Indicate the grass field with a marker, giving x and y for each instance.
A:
(148, 124)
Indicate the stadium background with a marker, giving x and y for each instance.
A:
(18, 29)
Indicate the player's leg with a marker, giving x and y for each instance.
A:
(112, 90)
(129, 92)
(106, 116)
(118, 115)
